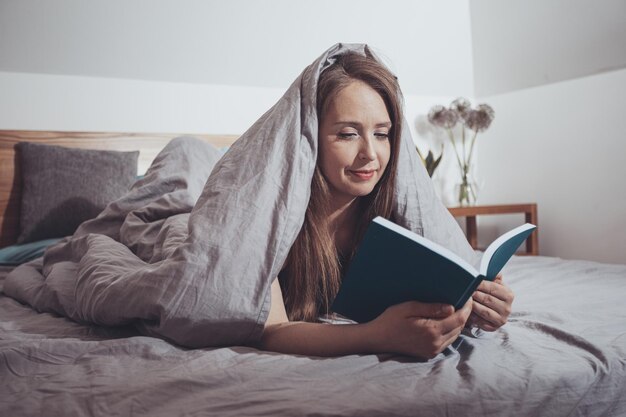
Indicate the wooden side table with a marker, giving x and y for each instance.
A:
(470, 213)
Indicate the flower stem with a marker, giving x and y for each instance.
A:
(463, 140)
(456, 152)
(472, 147)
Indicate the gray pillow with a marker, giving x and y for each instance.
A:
(63, 187)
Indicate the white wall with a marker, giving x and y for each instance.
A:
(522, 43)
(236, 42)
(563, 146)
(553, 70)
(62, 102)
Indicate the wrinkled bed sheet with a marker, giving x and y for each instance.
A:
(563, 353)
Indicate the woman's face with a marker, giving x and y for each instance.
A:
(354, 142)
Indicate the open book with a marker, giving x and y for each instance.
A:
(393, 265)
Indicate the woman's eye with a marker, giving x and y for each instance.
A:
(382, 135)
(347, 135)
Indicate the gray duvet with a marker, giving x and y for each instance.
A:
(190, 252)
(563, 353)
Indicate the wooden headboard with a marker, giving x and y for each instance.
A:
(148, 145)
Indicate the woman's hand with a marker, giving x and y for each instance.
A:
(418, 329)
(492, 305)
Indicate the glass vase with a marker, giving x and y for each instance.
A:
(466, 192)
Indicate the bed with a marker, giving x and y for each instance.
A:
(563, 352)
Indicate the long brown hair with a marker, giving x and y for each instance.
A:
(312, 272)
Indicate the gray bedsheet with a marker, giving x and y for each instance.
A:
(563, 353)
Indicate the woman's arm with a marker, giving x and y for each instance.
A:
(411, 328)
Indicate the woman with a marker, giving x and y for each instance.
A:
(360, 120)
(290, 198)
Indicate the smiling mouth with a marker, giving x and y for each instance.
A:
(364, 174)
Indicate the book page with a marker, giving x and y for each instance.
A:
(504, 247)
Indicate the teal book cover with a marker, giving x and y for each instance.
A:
(393, 265)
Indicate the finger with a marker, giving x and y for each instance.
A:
(451, 337)
(482, 324)
(489, 293)
(451, 327)
(488, 315)
(456, 321)
(498, 278)
(449, 341)
(491, 302)
(490, 286)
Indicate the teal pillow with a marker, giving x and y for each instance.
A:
(18, 254)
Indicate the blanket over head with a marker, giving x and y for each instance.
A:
(190, 252)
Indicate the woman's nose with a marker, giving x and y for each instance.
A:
(367, 151)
